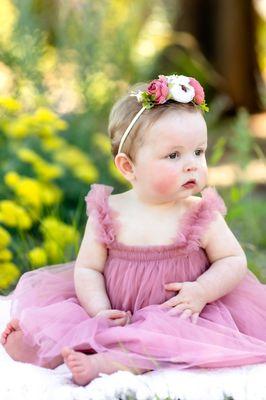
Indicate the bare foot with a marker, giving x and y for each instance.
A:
(12, 326)
(81, 366)
(85, 368)
(13, 341)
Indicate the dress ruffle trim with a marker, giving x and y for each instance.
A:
(201, 215)
(98, 209)
(194, 222)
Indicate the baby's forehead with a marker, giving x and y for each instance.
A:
(176, 131)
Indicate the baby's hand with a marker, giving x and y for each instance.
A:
(190, 300)
(118, 318)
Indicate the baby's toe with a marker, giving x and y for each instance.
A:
(77, 370)
(13, 324)
(72, 357)
(66, 352)
(74, 365)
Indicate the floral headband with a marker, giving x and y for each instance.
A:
(179, 88)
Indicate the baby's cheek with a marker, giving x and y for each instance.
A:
(165, 182)
(204, 174)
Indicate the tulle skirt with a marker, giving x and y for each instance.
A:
(229, 332)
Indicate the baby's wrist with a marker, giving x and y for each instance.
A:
(204, 291)
(102, 310)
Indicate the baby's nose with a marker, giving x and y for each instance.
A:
(190, 167)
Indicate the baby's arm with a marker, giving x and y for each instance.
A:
(228, 267)
(227, 258)
(88, 273)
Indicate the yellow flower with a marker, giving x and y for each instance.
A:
(71, 156)
(11, 179)
(20, 128)
(14, 215)
(53, 143)
(58, 237)
(54, 251)
(48, 122)
(102, 142)
(8, 274)
(44, 170)
(44, 115)
(5, 238)
(50, 194)
(28, 155)
(28, 190)
(37, 257)
(5, 255)
(86, 173)
(44, 123)
(78, 162)
(54, 229)
(32, 193)
(9, 104)
(47, 172)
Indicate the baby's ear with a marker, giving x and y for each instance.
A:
(125, 166)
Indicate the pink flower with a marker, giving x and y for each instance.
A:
(199, 92)
(159, 88)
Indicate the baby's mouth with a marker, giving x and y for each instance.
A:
(189, 184)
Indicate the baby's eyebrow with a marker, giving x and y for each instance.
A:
(182, 147)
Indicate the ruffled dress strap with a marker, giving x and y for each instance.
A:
(201, 215)
(100, 213)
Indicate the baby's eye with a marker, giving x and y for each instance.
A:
(174, 155)
(198, 152)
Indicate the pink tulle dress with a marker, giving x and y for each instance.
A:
(230, 331)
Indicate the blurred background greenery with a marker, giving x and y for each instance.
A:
(62, 65)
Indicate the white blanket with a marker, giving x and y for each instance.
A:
(20, 381)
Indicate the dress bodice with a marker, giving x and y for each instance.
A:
(135, 275)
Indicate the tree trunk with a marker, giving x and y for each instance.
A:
(225, 31)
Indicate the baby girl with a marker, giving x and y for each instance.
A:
(160, 280)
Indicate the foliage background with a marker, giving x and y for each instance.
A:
(62, 66)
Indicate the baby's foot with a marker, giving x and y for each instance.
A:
(12, 326)
(82, 366)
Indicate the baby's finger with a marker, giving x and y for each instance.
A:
(186, 314)
(178, 309)
(128, 320)
(194, 318)
(113, 314)
(173, 286)
(118, 321)
(169, 303)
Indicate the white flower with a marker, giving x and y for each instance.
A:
(171, 79)
(180, 89)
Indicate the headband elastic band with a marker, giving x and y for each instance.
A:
(125, 135)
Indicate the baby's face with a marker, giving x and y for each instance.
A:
(173, 153)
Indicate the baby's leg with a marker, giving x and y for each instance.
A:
(18, 349)
(85, 368)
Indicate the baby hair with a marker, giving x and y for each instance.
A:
(125, 109)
